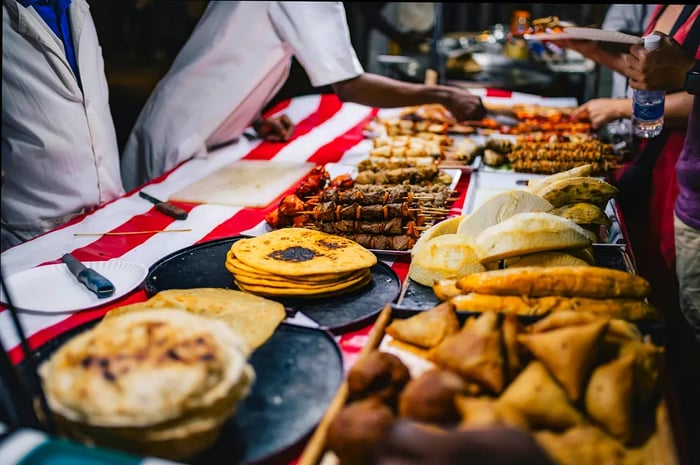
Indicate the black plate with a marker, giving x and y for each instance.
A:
(203, 265)
(298, 371)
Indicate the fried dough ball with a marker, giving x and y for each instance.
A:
(357, 428)
(379, 374)
(431, 397)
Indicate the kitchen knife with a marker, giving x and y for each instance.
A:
(165, 207)
(93, 280)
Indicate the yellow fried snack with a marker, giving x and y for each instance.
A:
(568, 352)
(609, 397)
(478, 412)
(445, 289)
(474, 352)
(582, 445)
(648, 366)
(541, 400)
(426, 329)
(569, 281)
(510, 328)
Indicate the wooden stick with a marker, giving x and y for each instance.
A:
(130, 233)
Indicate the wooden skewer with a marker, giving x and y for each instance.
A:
(130, 233)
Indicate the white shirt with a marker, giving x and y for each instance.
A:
(235, 61)
(59, 146)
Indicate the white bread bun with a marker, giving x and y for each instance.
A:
(526, 233)
(551, 258)
(500, 207)
(447, 256)
(448, 226)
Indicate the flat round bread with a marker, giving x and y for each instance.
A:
(321, 291)
(147, 368)
(302, 252)
(238, 268)
(285, 284)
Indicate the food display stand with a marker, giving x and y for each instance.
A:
(131, 230)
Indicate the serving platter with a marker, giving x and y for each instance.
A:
(203, 265)
(587, 33)
(298, 372)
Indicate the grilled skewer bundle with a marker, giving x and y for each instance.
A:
(553, 157)
(411, 175)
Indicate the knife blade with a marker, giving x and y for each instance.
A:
(165, 207)
(101, 286)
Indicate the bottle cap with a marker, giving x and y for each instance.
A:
(652, 41)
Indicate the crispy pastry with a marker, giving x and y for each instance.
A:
(474, 352)
(378, 374)
(431, 396)
(568, 352)
(609, 397)
(582, 445)
(582, 213)
(509, 304)
(510, 328)
(541, 400)
(579, 189)
(426, 329)
(479, 412)
(445, 289)
(447, 256)
(549, 258)
(569, 281)
(357, 428)
(648, 366)
(536, 186)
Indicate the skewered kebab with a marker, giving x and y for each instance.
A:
(555, 166)
(382, 163)
(381, 241)
(592, 150)
(330, 211)
(393, 226)
(439, 198)
(415, 175)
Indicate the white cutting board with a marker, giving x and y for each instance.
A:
(245, 183)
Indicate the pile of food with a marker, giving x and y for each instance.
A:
(299, 262)
(552, 222)
(153, 382)
(585, 386)
(548, 157)
(375, 216)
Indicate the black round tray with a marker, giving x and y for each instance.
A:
(298, 372)
(203, 265)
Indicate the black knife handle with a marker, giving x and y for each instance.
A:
(171, 210)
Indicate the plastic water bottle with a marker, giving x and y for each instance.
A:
(648, 105)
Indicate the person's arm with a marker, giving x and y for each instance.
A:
(384, 92)
(677, 109)
(663, 68)
(589, 49)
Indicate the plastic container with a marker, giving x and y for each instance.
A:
(648, 105)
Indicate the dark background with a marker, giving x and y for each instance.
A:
(140, 38)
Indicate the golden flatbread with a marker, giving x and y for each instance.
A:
(320, 291)
(253, 318)
(313, 280)
(302, 252)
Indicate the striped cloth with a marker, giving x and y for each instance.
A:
(327, 130)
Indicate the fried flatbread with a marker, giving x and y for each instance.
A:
(542, 401)
(239, 268)
(474, 352)
(302, 252)
(609, 397)
(319, 292)
(254, 318)
(568, 352)
(426, 329)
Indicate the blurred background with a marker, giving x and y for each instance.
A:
(470, 44)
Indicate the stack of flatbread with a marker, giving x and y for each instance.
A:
(299, 262)
(159, 382)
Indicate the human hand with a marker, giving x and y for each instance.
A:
(409, 443)
(276, 129)
(464, 105)
(663, 68)
(600, 111)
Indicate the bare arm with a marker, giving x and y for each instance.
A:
(589, 49)
(677, 109)
(383, 92)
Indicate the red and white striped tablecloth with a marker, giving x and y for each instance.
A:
(327, 130)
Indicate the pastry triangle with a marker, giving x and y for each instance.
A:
(426, 329)
(568, 352)
(474, 352)
(540, 399)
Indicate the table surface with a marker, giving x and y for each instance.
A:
(327, 130)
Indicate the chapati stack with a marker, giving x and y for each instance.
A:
(159, 382)
(299, 262)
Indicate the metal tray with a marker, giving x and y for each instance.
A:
(203, 265)
(298, 372)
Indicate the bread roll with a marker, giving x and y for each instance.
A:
(526, 233)
(444, 257)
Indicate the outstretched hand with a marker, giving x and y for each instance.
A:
(409, 443)
(276, 129)
(663, 68)
(465, 106)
